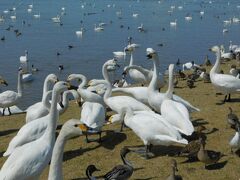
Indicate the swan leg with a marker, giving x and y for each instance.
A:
(9, 111)
(225, 99)
(122, 125)
(148, 149)
(87, 140)
(229, 97)
(100, 136)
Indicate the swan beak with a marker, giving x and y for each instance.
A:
(69, 86)
(149, 56)
(110, 120)
(61, 104)
(210, 49)
(83, 128)
(56, 81)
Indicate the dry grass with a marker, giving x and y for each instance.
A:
(78, 154)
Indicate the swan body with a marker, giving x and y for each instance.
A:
(10, 98)
(139, 93)
(225, 55)
(173, 23)
(56, 19)
(151, 130)
(98, 28)
(33, 130)
(24, 165)
(225, 83)
(93, 115)
(38, 110)
(80, 32)
(27, 77)
(174, 112)
(188, 18)
(235, 141)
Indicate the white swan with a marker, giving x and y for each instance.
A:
(38, 110)
(225, 55)
(71, 128)
(137, 73)
(56, 19)
(11, 98)
(154, 97)
(117, 103)
(93, 116)
(80, 32)
(22, 164)
(32, 130)
(225, 83)
(85, 94)
(235, 141)
(173, 23)
(151, 130)
(174, 112)
(98, 28)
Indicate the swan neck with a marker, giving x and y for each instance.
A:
(53, 117)
(108, 92)
(153, 83)
(216, 66)
(55, 171)
(19, 86)
(46, 87)
(84, 82)
(46, 99)
(169, 92)
(105, 73)
(131, 59)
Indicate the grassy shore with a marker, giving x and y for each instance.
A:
(78, 154)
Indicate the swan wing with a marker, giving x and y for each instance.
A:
(227, 81)
(28, 133)
(27, 161)
(93, 115)
(8, 97)
(177, 115)
(189, 106)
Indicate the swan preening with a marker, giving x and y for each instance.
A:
(227, 84)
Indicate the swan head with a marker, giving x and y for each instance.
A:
(73, 128)
(53, 78)
(151, 53)
(60, 86)
(215, 49)
(2, 81)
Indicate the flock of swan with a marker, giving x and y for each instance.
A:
(157, 118)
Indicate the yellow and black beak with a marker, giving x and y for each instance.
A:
(110, 120)
(83, 128)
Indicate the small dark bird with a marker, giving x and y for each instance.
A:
(190, 83)
(58, 54)
(34, 69)
(206, 156)
(9, 28)
(232, 118)
(119, 172)
(207, 61)
(160, 44)
(173, 175)
(60, 67)
(178, 63)
(16, 31)
(70, 46)
(18, 34)
(181, 74)
(3, 38)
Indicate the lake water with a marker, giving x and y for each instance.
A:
(43, 39)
